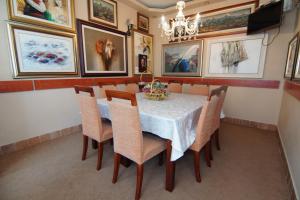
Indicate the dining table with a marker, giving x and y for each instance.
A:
(174, 119)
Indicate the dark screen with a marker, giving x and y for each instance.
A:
(265, 17)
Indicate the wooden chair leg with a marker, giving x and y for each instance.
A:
(100, 154)
(85, 146)
(217, 139)
(197, 166)
(210, 149)
(161, 159)
(207, 154)
(117, 159)
(139, 181)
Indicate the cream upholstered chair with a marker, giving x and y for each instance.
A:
(92, 125)
(222, 91)
(198, 89)
(106, 86)
(204, 131)
(131, 87)
(129, 141)
(175, 86)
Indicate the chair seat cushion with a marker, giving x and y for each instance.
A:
(107, 130)
(152, 146)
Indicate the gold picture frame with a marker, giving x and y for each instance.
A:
(51, 15)
(110, 4)
(142, 46)
(40, 52)
(143, 22)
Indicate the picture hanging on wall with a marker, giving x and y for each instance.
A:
(291, 60)
(57, 14)
(225, 21)
(104, 12)
(102, 50)
(142, 52)
(236, 56)
(143, 22)
(38, 52)
(182, 59)
(296, 71)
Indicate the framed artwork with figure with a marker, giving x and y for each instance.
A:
(58, 14)
(102, 50)
(39, 52)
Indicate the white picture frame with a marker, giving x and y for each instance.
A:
(247, 63)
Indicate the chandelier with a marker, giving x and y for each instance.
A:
(180, 28)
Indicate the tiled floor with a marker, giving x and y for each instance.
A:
(248, 167)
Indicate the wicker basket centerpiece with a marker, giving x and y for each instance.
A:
(155, 91)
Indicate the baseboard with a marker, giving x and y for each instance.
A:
(252, 124)
(289, 179)
(9, 148)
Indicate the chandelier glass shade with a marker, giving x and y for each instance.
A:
(180, 28)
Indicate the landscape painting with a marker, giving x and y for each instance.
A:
(38, 53)
(236, 56)
(104, 12)
(103, 51)
(182, 59)
(143, 22)
(54, 13)
(142, 52)
(226, 20)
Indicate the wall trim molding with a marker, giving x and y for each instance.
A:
(251, 124)
(293, 88)
(23, 144)
(45, 84)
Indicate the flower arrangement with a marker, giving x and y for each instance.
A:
(155, 91)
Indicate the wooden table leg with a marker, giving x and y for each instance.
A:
(94, 144)
(170, 168)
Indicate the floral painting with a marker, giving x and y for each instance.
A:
(182, 59)
(103, 11)
(39, 53)
(55, 13)
(236, 56)
(103, 51)
(142, 52)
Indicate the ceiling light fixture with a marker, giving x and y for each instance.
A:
(180, 28)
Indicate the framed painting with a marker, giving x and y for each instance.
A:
(102, 50)
(237, 56)
(38, 52)
(182, 59)
(296, 71)
(58, 14)
(143, 22)
(104, 12)
(142, 53)
(225, 21)
(292, 55)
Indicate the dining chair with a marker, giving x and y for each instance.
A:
(204, 131)
(106, 86)
(92, 125)
(129, 141)
(132, 87)
(175, 86)
(222, 91)
(198, 89)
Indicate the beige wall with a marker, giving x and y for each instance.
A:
(289, 131)
(260, 105)
(29, 114)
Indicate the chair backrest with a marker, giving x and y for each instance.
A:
(199, 89)
(205, 124)
(106, 86)
(222, 95)
(90, 115)
(127, 132)
(175, 86)
(132, 87)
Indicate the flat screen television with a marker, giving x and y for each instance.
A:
(266, 17)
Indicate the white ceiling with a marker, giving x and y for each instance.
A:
(159, 3)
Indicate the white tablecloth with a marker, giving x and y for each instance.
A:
(174, 118)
